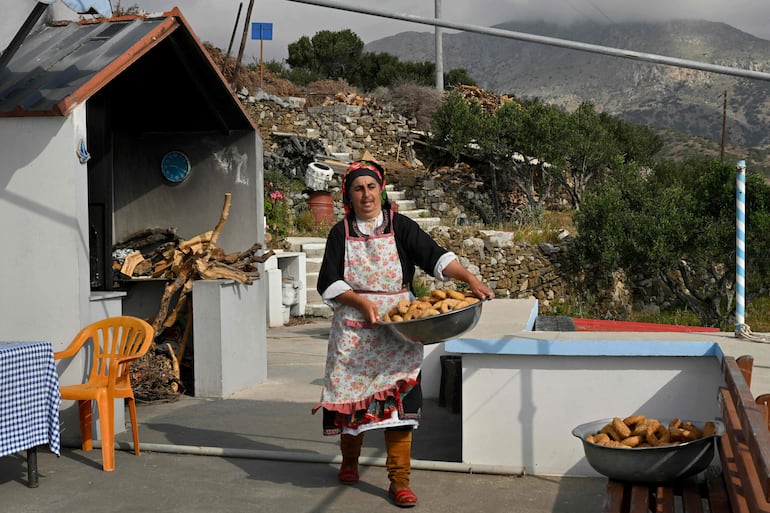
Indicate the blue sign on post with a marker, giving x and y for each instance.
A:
(262, 31)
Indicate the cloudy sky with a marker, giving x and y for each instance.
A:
(214, 21)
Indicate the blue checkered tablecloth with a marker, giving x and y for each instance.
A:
(29, 397)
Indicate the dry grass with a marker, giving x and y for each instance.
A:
(540, 228)
(758, 314)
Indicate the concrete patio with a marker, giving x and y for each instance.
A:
(268, 454)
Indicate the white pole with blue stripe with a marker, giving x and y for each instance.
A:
(740, 246)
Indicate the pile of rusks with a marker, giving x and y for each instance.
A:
(438, 302)
(640, 431)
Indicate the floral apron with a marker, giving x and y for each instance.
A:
(369, 369)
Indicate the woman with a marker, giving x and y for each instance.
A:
(372, 377)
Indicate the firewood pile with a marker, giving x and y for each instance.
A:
(489, 102)
(160, 253)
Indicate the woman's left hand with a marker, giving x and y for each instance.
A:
(456, 270)
(480, 289)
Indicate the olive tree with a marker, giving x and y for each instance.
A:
(456, 124)
(330, 54)
(677, 223)
(529, 147)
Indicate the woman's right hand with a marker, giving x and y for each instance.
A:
(369, 311)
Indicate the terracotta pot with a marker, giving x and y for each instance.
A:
(321, 206)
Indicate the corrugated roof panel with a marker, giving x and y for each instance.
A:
(145, 66)
(56, 61)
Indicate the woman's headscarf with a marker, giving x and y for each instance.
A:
(358, 169)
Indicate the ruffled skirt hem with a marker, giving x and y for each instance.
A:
(375, 408)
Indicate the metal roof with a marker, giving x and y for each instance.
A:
(153, 67)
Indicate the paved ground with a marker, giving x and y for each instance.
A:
(271, 457)
(275, 458)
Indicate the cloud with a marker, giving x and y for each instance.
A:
(215, 21)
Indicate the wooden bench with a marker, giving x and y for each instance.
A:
(740, 484)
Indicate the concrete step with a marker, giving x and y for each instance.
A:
(420, 216)
(313, 296)
(318, 310)
(296, 243)
(314, 249)
(395, 195)
(405, 205)
(415, 213)
(426, 223)
(313, 265)
(311, 280)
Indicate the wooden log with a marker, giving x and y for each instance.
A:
(161, 267)
(130, 263)
(178, 261)
(143, 268)
(197, 244)
(147, 237)
(162, 252)
(230, 258)
(180, 304)
(187, 332)
(263, 258)
(216, 270)
(169, 292)
(222, 218)
(174, 369)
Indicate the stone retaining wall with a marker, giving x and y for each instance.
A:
(344, 128)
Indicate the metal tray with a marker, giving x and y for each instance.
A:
(649, 464)
(438, 328)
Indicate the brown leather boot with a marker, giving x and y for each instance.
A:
(399, 464)
(350, 447)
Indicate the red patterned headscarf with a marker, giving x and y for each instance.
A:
(358, 169)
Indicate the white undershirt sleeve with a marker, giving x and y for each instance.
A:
(334, 290)
(438, 271)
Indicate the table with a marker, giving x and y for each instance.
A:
(29, 402)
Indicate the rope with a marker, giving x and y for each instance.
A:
(744, 331)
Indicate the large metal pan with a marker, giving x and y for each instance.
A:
(438, 328)
(649, 464)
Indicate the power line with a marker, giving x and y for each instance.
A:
(600, 11)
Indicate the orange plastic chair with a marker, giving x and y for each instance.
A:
(117, 341)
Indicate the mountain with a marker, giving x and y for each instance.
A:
(649, 94)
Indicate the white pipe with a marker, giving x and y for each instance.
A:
(439, 49)
(308, 457)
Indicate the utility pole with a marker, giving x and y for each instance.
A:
(243, 44)
(235, 28)
(439, 50)
(23, 32)
(724, 124)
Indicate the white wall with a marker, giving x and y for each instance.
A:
(519, 410)
(230, 344)
(221, 163)
(43, 218)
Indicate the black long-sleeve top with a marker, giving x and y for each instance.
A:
(415, 248)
